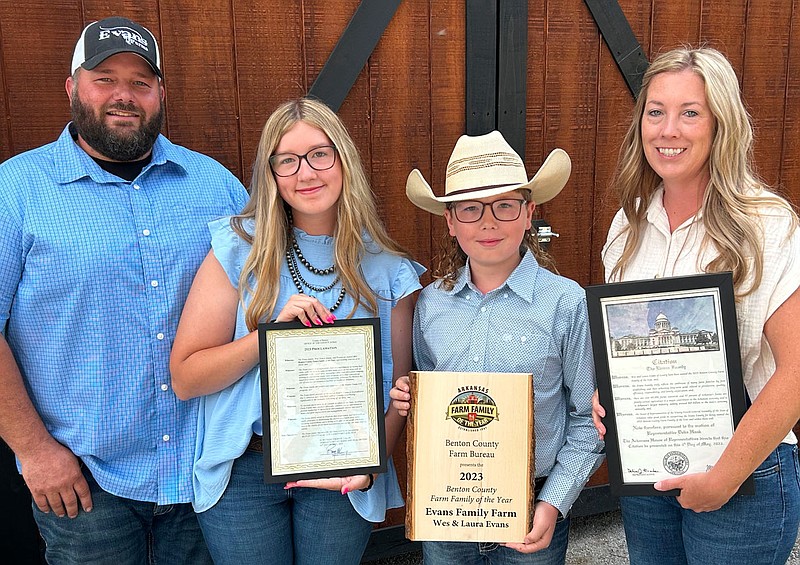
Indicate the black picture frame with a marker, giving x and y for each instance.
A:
(335, 462)
(658, 379)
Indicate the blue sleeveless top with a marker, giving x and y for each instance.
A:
(229, 418)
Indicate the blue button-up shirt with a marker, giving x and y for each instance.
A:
(536, 322)
(94, 271)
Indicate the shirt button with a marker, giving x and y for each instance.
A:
(145, 232)
(505, 295)
(483, 308)
(165, 387)
(136, 187)
(159, 335)
(165, 437)
(154, 283)
(476, 359)
(468, 297)
(523, 339)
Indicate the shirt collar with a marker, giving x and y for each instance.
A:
(73, 163)
(523, 279)
(521, 282)
(657, 214)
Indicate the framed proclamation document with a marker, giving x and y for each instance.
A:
(322, 400)
(669, 376)
(470, 447)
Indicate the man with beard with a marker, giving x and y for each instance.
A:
(101, 233)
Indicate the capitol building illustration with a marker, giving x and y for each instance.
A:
(664, 338)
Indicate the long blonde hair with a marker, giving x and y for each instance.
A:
(452, 258)
(357, 215)
(734, 194)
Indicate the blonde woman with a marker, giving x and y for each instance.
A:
(692, 204)
(309, 246)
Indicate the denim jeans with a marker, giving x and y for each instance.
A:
(756, 530)
(256, 523)
(120, 531)
(478, 553)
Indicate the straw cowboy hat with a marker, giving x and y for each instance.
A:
(486, 165)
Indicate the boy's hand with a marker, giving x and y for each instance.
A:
(540, 536)
(401, 395)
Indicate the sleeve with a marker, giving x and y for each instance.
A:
(11, 262)
(12, 252)
(385, 493)
(582, 452)
(781, 260)
(423, 358)
(615, 243)
(406, 280)
(229, 249)
(239, 195)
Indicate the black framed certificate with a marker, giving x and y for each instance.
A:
(669, 376)
(322, 400)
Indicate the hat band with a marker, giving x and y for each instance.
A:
(477, 188)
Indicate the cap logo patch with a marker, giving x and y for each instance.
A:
(130, 36)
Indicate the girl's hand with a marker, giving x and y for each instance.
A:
(342, 484)
(307, 309)
(401, 395)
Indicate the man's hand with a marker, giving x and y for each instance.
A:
(53, 475)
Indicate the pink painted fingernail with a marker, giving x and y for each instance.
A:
(331, 318)
(307, 323)
(344, 490)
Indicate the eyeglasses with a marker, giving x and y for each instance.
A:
(320, 159)
(470, 211)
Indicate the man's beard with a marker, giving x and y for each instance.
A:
(116, 144)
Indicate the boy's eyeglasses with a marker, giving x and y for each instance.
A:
(470, 211)
(320, 159)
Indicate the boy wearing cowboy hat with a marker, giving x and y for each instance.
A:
(522, 317)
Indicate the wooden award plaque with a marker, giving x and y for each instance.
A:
(470, 447)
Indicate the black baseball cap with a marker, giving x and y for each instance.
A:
(100, 40)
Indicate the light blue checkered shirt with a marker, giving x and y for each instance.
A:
(94, 272)
(534, 323)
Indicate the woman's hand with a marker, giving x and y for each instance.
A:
(700, 492)
(307, 309)
(401, 395)
(342, 484)
(598, 413)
